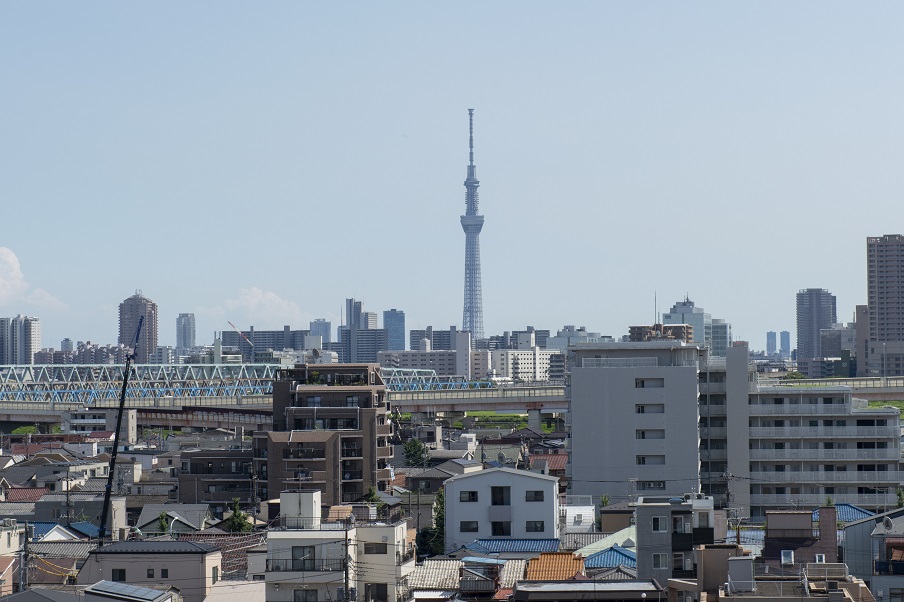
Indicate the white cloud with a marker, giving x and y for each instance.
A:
(12, 280)
(41, 298)
(14, 289)
(264, 309)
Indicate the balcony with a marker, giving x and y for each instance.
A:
(825, 454)
(824, 432)
(310, 476)
(836, 409)
(384, 430)
(384, 474)
(682, 541)
(352, 452)
(837, 476)
(888, 567)
(310, 524)
(352, 475)
(703, 535)
(384, 452)
(352, 496)
(683, 574)
(713, 432)
(477, 586)
(304, 454)
(813, 500)
(284, 564)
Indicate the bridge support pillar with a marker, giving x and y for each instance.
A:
(534, 419)
(420, 418)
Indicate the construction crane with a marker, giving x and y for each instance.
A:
(102, 532)
(241, 334)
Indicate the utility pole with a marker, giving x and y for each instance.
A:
(345, 591)
(23, 560)
(68, 498)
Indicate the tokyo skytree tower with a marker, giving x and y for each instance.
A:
(472, 224)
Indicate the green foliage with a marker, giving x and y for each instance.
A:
(794, 376)
(900, 493)
(829, 501)
(238, 522)
(416, 453)
(25, 430)
(432, 540)
(604, 501)
(162, 522)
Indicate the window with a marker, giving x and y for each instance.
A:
(164, 573)
(533, 496)
(304, 595)
(660, 524)
(118, 575)
(150, 573)
(502, 529)
(302, 558)
(501, 496)
(214, 575)
(640, 459)
(374, 548)
(313, 402)
(534, 526)
(468, 526)
(467, 496)
(660, 561)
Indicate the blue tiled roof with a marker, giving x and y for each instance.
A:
(86, 528)
(498, 546)
(847, 513)
(41, 528)
(611, 557)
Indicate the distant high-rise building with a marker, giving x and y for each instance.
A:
(785, 344)
(66, 345)
(130, 311)
(472, 224)
(322, 328)
(440, 340)
(185, 332)
(357, 342)
(685, 312)
(770, 343)
(369, 320)
(885, 303)
(20, 339)
(815, 311)
(394, 323)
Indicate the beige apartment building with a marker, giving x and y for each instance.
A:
(331, 432)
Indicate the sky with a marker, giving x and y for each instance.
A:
(261, 163)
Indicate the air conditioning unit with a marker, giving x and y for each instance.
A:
(688, 564)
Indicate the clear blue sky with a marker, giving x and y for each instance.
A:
(260, 163)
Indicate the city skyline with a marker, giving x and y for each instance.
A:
(605, 130)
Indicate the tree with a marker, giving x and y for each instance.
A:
(238, 522)
(162, 522)
(416, 453)
(900, 493)
(794, 376)
(432, 540)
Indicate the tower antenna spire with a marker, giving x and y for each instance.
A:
(471, 137)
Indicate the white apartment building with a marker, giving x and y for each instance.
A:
(634, 419)
(501, 503)
(529, 365)
(308, 557)
(806, 445)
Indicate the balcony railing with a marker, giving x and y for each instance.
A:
(763, 409)
(352, 496)
(352, 452)
(837, 476)
(889, 567)
(352, 475)
(822, 432)
(825, 454)
(282, 564)
(304, 454)
(312, 524)
(477, 585)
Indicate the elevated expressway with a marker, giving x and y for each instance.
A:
(233, 395)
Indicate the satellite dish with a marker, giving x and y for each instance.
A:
(887, 523)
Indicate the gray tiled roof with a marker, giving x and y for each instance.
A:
(157, 547)
(62, 549)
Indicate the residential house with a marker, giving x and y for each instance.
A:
(310, 557)
(501, 503)
(667, 531)
(191, 567)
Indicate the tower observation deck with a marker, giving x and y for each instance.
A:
(472, 224)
